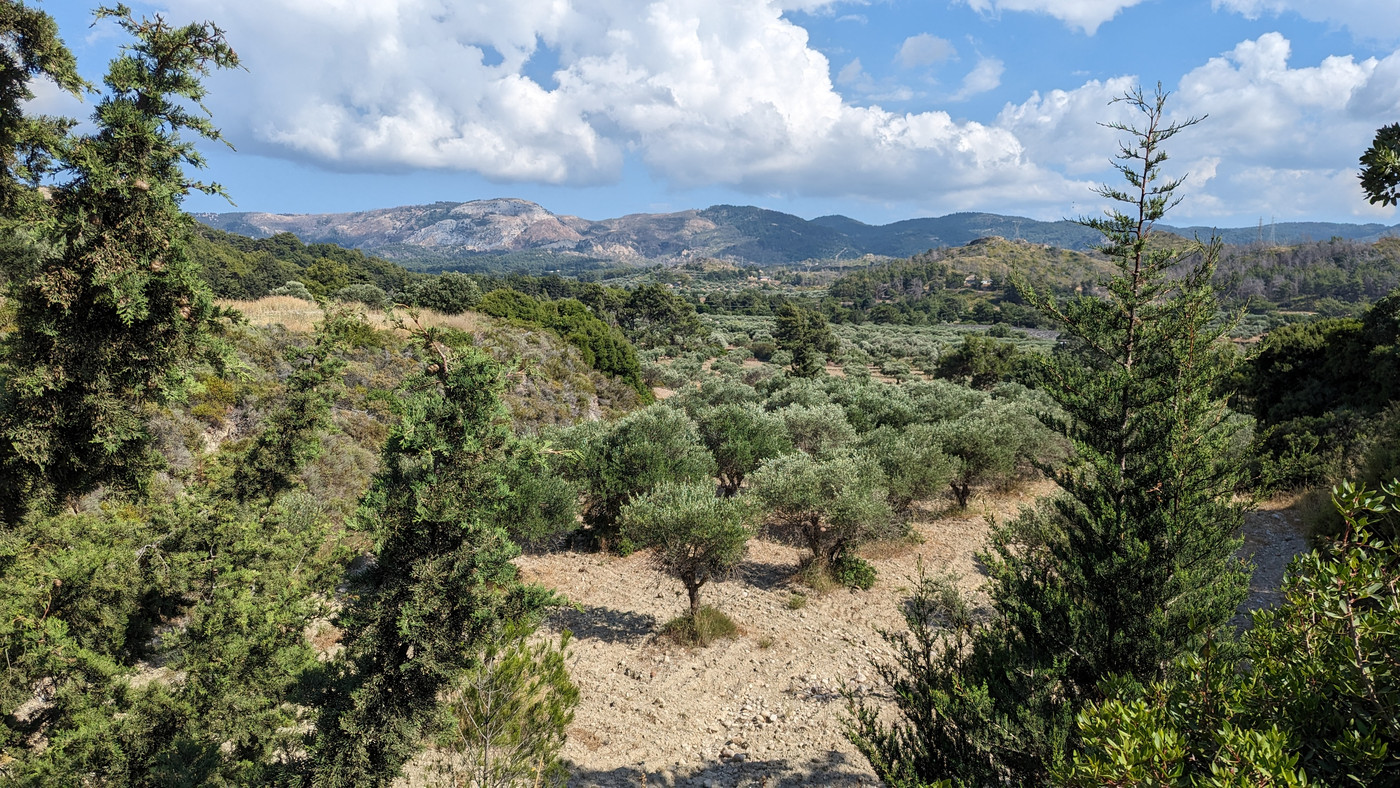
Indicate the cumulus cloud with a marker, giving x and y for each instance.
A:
(1278, 140)
(925, 50)
(704, 92)
(985, 76)
(1086, 15)
(730, 93)
(1362, 17)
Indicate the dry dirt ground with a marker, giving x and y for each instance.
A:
(765, 708)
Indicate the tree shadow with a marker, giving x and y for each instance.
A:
(603, 623)
(829, 769)
(764, 576)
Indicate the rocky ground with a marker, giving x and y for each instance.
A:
(765, 708)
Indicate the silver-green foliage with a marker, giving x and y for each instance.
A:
(827, 505)
(694, 535)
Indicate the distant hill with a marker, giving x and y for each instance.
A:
(506, 233)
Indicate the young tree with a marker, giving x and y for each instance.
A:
(830, 505)
(110, 308)
(510, 714)
(695, 535)
(441, 582)
(805, 334)
(1131, 565)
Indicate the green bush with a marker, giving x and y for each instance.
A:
(449, 293)
(371, 296)
(295, 290)
(854, 572)
(1310, 696)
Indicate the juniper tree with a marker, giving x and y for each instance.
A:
(1130, 565)
(109, 304)
(441, 582)
(238, 564)
(29, 48)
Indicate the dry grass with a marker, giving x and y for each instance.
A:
(295, 314)
(886, 549)
(705, 627)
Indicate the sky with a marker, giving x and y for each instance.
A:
(880, 110)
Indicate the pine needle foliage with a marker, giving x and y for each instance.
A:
(441, 582)
(1130, 565)
(805, 334)
(510, 713)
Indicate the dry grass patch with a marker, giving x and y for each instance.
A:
(295, 314)
(701, 629)
(887, 549)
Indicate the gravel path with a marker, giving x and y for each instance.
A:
(764, 709)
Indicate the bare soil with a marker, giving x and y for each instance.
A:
(765, 709)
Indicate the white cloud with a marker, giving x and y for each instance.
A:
(729, 93)
(985, 76)
(924, 50)
(1279, 140)
(1366, 19)
(1086, 15)
(704, 92)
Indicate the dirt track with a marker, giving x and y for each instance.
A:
(764, 708)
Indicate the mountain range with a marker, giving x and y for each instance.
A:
(446, 235)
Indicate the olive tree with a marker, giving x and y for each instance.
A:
(694, 535)
(645, 448)
(913, 461)
(828, 505)
(741, 437)
(818, 430)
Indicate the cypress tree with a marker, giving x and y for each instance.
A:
(1130, 565)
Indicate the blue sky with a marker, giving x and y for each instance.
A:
(879, 110)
